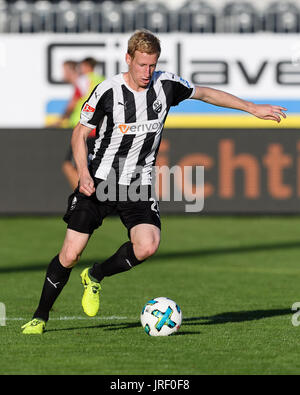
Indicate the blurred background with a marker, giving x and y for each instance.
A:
(52, 52)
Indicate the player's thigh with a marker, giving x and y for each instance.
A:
(143, 213)
(145, 239)
(73, 246)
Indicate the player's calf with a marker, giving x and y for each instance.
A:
(123, 260)
(56, 278)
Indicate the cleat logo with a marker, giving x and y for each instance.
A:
(95, 289)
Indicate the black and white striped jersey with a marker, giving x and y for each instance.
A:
(129, 124)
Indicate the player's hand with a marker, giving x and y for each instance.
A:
(86, 185)
(269, 112)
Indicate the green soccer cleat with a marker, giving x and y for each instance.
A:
(34, 327)
(91, 298)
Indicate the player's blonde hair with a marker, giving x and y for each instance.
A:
(143, 41)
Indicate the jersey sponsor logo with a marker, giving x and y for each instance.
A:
(124, 128)
(141, 127)
(88, 108)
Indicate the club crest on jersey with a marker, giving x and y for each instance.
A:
(157, 106)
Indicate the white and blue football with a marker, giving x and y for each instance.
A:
(161, 317)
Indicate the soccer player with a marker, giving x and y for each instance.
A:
(128, 111)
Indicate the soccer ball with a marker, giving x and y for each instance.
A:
(161, 317)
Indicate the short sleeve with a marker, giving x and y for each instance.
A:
(176, 88)
(182, 90)
(92, 111)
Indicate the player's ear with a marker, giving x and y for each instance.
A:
(128, 58)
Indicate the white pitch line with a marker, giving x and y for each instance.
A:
(75, 318)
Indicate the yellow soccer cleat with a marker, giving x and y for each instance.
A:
(91, 298)
(34, 327)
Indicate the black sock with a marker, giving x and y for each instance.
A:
(123, 260)
(56, 278)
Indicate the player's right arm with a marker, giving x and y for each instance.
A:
(79, 147)
(92, 113)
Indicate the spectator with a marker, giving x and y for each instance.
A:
(84, 79)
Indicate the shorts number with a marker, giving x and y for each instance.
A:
(154, 206)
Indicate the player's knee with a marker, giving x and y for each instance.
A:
(146, 249)
(69, 257)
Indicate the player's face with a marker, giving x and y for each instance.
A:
(140, 68)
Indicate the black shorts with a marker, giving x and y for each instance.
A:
(86, 213)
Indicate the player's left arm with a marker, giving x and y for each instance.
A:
(224, 99)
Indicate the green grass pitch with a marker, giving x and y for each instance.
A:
(235, 279)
